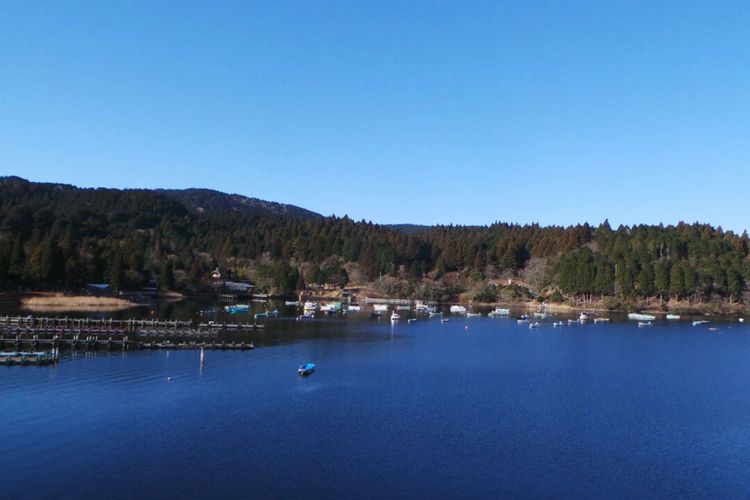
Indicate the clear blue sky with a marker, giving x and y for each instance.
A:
(426, 112)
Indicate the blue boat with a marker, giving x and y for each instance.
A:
(306, 369)
(237, 308)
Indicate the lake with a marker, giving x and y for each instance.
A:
(474, 407)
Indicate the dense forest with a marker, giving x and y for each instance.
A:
(56, 236)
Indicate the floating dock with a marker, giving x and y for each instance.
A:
(28, 358)
(39, 333)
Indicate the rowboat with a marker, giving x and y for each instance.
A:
(306, 369)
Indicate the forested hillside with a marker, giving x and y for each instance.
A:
(58, 236)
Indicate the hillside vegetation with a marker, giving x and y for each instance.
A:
(56, 236)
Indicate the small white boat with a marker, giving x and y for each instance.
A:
(403, 308)
(458, 310)
(380, 307)
(411, 320)
(473, 315)
(421, 308)
(700, 322)
(444, 320)
(354, 307)
(540, 315)
(601, 320)
(645, 323)
(573, 321)
(558, 323)
(435, 314)
(395, 316)
(742, 320)
(499, 312)
(583, 317)
(673, 316)
(522, 319)
(294, 303)
(534, 324)
(310, 306)
(641, 317)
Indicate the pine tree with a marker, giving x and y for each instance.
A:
(677, 281)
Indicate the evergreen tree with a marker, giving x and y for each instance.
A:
(117, 272)
(677, 281)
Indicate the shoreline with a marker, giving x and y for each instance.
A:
(59, 302)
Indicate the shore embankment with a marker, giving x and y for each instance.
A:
(58, 302)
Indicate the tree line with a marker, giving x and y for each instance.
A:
(57, 236)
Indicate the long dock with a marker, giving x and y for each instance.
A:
(39, 333)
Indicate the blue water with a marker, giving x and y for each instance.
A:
(470, 408)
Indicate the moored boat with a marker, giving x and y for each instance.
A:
(422, 308)
(601, 320)
(645, 323)
(641, 317)
(267, 314)
(499, 312)
(331, 308)
(237, 308)
(522, 319)
(310, 306)
(395, 316)
(700, 322)
(473, 315)
(673, 316)
(455, 309)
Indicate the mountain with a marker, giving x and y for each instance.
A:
(208, 200)
(193, 200)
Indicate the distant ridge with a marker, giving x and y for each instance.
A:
(408, 228)
(193, 200)
(208, 200)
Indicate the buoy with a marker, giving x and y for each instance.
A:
(169, 379)
(466, 327)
